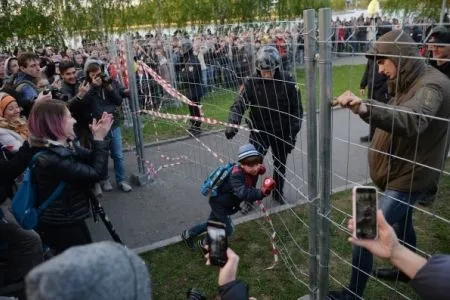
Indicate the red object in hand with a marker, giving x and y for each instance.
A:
(268, 185)
(262, 170)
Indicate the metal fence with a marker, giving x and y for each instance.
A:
(327, 158)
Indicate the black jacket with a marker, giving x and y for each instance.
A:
(13, 168)
(444, 68)
(237, 188)
(191, 76)
(235, 290)
(275, 105)
(375, 82)
(79, 168)
(99, 100)
(76, 105)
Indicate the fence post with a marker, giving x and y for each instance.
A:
(140, 178)
(310, 69)
(324, 144)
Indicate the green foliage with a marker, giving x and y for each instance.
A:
(43, 19)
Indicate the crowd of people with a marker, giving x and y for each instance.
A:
(62, 109)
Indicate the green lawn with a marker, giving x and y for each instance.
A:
(175, 268)
(216, 105)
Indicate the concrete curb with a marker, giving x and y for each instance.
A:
(237, 221)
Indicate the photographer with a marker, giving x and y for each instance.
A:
(230, 288)
(104, 96)
(72, 91)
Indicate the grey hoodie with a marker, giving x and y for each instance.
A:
(100, 271)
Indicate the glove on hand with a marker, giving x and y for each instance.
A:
(230, 132)
(268, 185)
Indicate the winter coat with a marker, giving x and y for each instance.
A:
(275, 105)
(79, 168)
(191, 76)
(239, 187)
(405, 141)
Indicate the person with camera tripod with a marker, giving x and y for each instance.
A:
(104, 96)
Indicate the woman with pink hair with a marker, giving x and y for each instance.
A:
(62, 224)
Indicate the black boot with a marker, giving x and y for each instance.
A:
(278, 197)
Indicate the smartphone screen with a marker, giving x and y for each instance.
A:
(365, 212)
(217, 243)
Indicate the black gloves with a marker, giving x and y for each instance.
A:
(230, 132)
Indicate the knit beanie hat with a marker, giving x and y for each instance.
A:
(247, 151)
(99, 271)
(5, 100)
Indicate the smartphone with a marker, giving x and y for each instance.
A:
(217, 242)
(365, 203)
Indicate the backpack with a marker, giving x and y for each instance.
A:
(215, 179)
(23, 204)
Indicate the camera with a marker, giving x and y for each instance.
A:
(106, 79)
(56, 94)
(194, 294)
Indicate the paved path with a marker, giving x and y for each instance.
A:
(173, 202)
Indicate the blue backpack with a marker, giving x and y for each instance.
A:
(215, 179)
(23, 204)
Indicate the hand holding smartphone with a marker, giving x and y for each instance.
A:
(365, 203)
(217, 242)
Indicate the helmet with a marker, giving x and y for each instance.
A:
(186, 45)
(267, 59)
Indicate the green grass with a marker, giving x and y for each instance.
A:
(175, 268)
(216, 105)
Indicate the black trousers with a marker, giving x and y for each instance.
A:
(280, 151)
(194, 111)
(62, 237)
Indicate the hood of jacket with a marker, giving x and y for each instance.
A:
(6, 74)
(401, 49)
(93, 60)
(104, 270)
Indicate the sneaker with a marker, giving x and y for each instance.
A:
(106, 185)
(201, 246)
(97, 190)
(125, 186)
(187, 239)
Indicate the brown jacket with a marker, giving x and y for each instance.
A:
(410, 145)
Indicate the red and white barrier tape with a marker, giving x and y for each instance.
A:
(188, 117)
(273, 236)
(168, 88)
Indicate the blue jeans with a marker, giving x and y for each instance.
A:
(396, 211)
(115, 147)
(214, 216)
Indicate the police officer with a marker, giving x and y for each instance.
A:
(191, 80)
(275, 110)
